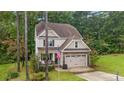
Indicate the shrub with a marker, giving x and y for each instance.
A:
(11, 75)
(37, 67)
(93, 57)
(38, 76)
(5, 59)
(42, 67)
(34, 63)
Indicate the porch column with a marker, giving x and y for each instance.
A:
(53, 57)
(36, 51)
(61, 60)
(86, 60)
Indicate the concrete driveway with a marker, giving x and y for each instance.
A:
(99, 76)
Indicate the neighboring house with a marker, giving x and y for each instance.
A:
(74, 52)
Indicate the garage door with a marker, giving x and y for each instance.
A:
(75, 60)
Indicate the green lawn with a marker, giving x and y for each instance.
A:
(4, 69)
(63, 76)
(111, 63)
(53, 75)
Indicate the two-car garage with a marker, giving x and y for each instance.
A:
(75, 60)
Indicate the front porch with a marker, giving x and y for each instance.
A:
(52, 55)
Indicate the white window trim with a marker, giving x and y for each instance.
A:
(48, 43)
(75, 44)
(52, 41)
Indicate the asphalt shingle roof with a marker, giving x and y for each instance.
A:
(63, 30)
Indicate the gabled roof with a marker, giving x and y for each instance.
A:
(65, 43)
(63, 30)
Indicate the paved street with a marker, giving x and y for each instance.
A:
(99, 76)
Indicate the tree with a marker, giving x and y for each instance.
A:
(61, 17)
(46, 43)
(34, 19)
(26, 48)
(18, 42)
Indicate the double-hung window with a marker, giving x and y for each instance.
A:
(50, 43)
(76, 44)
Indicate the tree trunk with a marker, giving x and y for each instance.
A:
(46, 48)
(18, 42)
(23, 58)
(26, 48)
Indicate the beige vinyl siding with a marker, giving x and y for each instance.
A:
(39, 42)
(81, 44)
(50, 33)
(59, 42)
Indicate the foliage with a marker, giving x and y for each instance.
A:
(11, 75)
(101, 30)
(38, 76)
(42, 68)
(4, 69)
(8, 34)
(36, 66)
(34, 63)
(93, 58)
(43, 56)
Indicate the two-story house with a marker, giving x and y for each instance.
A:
(74, 52)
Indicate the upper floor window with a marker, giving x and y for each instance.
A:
(50, 43)
(76, 44)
